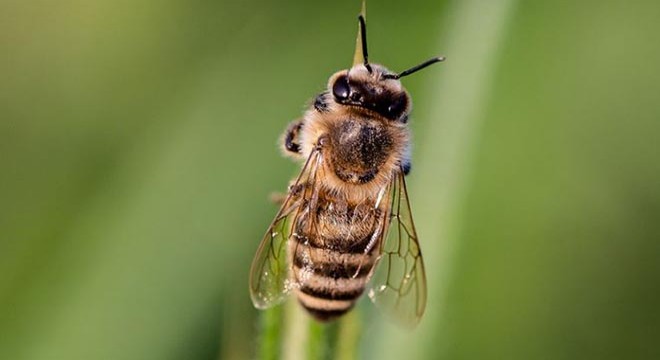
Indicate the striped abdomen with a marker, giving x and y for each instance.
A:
(332, 256)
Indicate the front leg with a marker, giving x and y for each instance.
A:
(406, 166)
(291, 140)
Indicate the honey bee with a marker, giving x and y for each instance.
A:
(345, 223)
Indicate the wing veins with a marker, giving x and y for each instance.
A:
(268, 280)
(399, 286)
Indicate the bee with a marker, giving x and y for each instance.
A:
(345, 224)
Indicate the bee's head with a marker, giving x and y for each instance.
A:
(372, 86)
(358, 87)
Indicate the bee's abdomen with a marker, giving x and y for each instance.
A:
(333, 250)
(332, 274)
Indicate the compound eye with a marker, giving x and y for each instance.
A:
(341, 89)
(395, 107)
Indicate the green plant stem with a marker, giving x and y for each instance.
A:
(348, 337)
(287, 332)
(271, 334)
(322, 340)
(295, 331)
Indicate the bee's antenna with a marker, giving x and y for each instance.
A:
(363, 34)
(414, 68)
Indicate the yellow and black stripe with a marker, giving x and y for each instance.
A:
(332, 274)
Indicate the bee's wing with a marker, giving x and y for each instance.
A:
(398, 284)
(269, 273)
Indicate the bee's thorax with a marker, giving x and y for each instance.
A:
(360, 149)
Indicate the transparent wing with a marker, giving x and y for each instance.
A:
(269, 273)
(398, 285)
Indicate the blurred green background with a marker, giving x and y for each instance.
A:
(138, 149)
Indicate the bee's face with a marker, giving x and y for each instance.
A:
(370, 90)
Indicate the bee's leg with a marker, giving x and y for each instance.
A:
(290, 139)
(294, 191)
(321, 103)
(277, 198)
(405, 166)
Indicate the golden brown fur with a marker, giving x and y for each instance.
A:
(317, 124)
